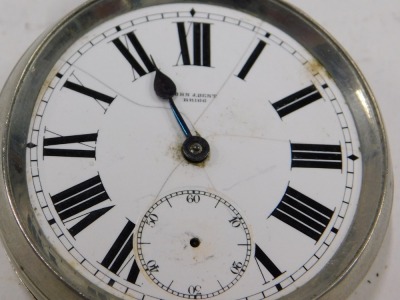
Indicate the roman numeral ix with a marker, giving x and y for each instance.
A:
(316, 156)
(120, 255)
(201, 33)
(75, 203)
(303, 213)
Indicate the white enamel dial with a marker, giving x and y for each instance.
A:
(104, 150)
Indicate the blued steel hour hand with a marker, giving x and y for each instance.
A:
(165, 88)
(195, 149)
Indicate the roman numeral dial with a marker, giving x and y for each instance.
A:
(121, 194)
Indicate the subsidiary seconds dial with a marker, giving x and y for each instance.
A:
(205, 242)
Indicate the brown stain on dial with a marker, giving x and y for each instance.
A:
(315, 67)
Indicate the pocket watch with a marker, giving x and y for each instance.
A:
(174, 149)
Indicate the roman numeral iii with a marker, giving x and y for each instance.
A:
(297, 101)
(316, 156)
(120, 255)
(201, 44)
(77, 201)
(303, 213)
(142, 67)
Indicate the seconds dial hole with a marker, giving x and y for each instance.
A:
(195, 242)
